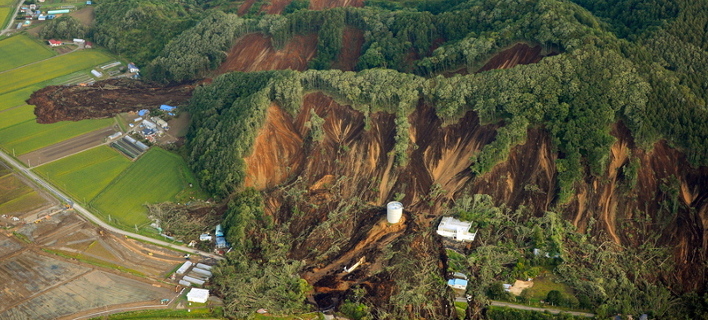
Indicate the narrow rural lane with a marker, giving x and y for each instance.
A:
(523, 307)
(10, 23)
(92, 217)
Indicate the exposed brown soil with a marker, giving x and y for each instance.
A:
(254, 52)
(520, 53)
(245, 7)
(354, 39)
(276, 6)
(86, 15)
(328, 4)
(103, 99)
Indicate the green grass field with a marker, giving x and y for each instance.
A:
(29, 135)
(84, 175)
(20, 50)
(14, 116)
(17, 97)
(158, 176)
(50, 69)
(15, 196)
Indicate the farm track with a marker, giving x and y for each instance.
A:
(67, 147)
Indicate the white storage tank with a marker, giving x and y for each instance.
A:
(394, 211)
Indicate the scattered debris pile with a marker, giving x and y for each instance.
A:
(103, 99)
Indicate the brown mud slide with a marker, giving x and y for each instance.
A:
(103, 99)
(255, 52)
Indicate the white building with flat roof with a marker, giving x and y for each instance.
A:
(452, 228)
(198, 295)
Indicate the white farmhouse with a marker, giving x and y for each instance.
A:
(455, 229)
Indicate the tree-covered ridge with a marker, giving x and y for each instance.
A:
(140, 29)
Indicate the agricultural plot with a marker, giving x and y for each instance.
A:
(157, 176)
(29, 135)
(85, 174)
(8, 245)
(20, 50)
(28, 273)
(50, 69)
(16, 98)
(5, 12)
(93, 290)
(16, 196)
(16, 115)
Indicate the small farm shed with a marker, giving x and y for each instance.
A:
(450, 227)
(198, 295)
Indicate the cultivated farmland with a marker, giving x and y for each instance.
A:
(20, 50)
(50, 69)
(157, 176)
(29, 135)
(17, 97)
(16, 196)
(16, 115)
(85, 174)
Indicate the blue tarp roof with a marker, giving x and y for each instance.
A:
(142, 112)
(460, 282)
(167, 108)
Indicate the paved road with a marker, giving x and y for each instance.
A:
(92, 217)
(12, 23)
(523, 307)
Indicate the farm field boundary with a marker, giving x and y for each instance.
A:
(51, 68)
(29, 135)
(83, 175)
(66, 148)
(20, 50)
(158, 176)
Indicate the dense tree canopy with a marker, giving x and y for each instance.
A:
(65, 27)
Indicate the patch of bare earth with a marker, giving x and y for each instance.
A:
(255, 52)
(328, 4)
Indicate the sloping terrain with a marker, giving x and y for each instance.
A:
(255, 52)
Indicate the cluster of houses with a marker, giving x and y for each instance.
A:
(79, 42)
(153, 127)
(32, 12)
(456, 230)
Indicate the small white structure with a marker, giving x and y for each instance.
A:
(204, 237)
(162, 123)
(96, 73)
(184, 283)
(79, 42)
(138, 119)
(184, 268)
(394, 211)
(455, 229)
(149, 125)
(507, 287)
(193, 280)
(115, 135)
(203, 266)
(457, 284)
(202, 272)
(198, 295)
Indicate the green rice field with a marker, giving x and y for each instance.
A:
(85, 174)
(29, 135)
(4, 13)
(17, 97)
(16, 115)
(20, 50)
(15, 196)
(50, 69)
(157, 176)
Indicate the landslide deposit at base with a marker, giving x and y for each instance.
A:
(320, 188)
(103, 99)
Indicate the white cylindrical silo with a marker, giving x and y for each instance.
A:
(394, 211)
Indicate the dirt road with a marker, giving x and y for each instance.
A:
(95, 219)
(66, 147)
(523, 307)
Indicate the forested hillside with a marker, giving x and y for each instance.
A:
(593, 150)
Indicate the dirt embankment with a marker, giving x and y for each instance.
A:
(102, 99)
(255, 52)
(328, 4)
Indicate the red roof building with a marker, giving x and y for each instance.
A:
(54, 43)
